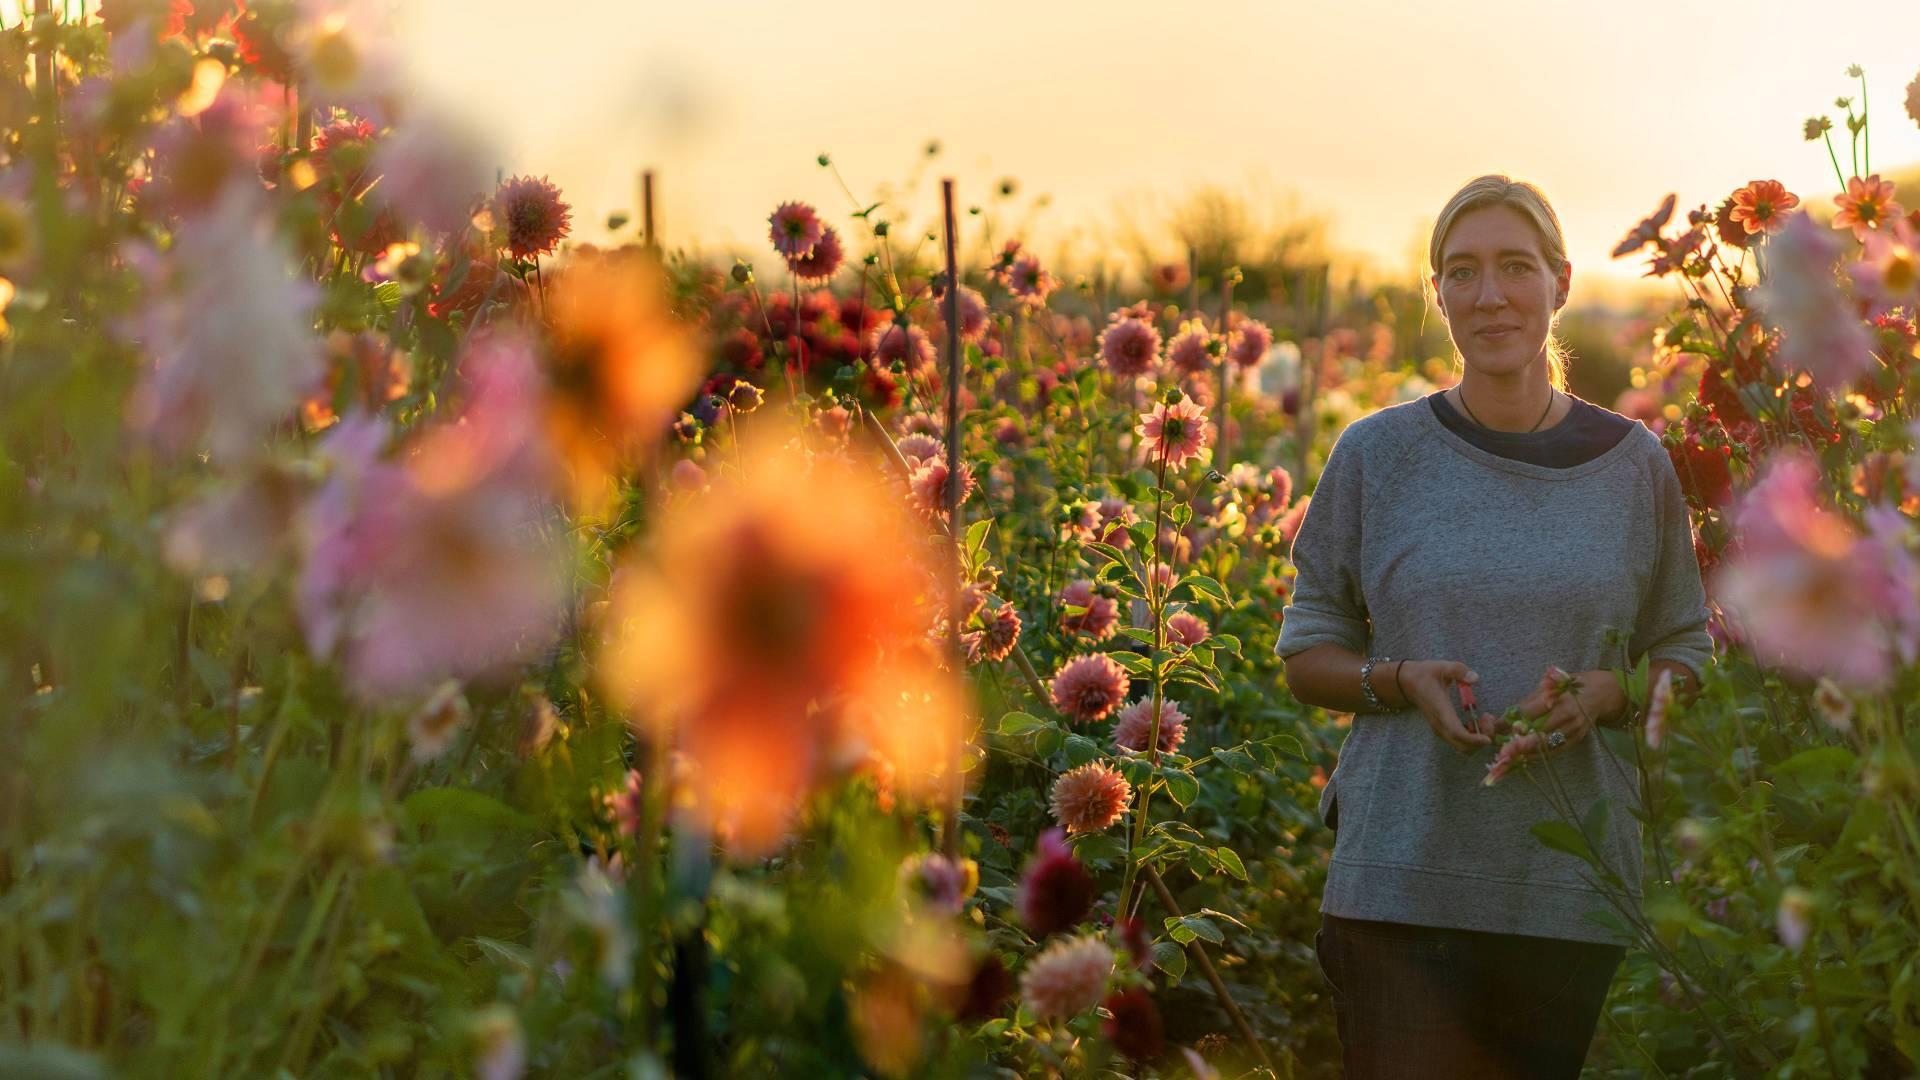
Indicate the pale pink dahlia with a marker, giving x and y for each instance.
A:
(973, 313)
(1067, 979)
(1129, 347)
(1099, 617)
(532, 213)
(1179, 431)
(1116, 514)
(903, 342)
(1249, 343)
(917, 448)
(795, 229)
(817, 266)
(1090, 798)
(1186, 628)
(1089, 687)
(929, 488)
(1135, 726)
(1190, 351)
(1029, 281)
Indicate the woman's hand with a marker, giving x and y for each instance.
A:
(1570, 704)
(1428, 686)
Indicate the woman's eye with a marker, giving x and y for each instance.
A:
(1517, 267)
(1460, 273)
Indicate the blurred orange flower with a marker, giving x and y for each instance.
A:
(623, 367)
(773, 651)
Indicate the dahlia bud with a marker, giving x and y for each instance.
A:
(880, 228)
(745, 397)
(742, 273)
(687, 429)
(1174, 396)
(824, 160)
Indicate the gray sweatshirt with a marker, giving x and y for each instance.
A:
(1419, 545)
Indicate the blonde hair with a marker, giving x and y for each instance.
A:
(1495, 189)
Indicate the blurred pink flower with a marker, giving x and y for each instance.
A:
(1248, 345)
(1056, 891)
(903, 342)
(1116, 514)
(1888, 273)
(973, 315)
(794, 229)
(228, 332)
(1090, 798)
(1189, 351)
(1811, 592)
(431, 727)
(438, 564)
(431, 173)
(532, 216)
(196, 159)
(994, 642)
(1067, 979)
(1129, 347)
(818, 265)
(1833, 705)
(1101, 614)
(688, 475)
(1659, 700)
(1820, 332)
(1179, 431)
(1135, 724)
(624, 805)
(945, 883)
(1089, 687)
(1186, 628)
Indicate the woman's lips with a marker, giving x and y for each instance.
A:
(1497, 334)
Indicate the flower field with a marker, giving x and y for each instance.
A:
(437, 646)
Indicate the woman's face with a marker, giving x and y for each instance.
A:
(1497, 290)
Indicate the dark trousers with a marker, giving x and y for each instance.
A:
(1424, 1001)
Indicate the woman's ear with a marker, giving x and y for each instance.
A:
(1563, 285)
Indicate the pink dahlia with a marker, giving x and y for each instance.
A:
(818, 265)
(929, 488)
(1248, 345)
(994, 641)
(1135, 726)
(1099, 616)
(1082, 522)
(1659, 700)
(903, 342)
(1179, 431)
(1186, 628)
(917, 448)
(624, 805)
(973, 313)
(1090, 798)
(533, 215)
(795, 229)
(1067, 979)
(1190, 351)
(1866, 205)
(1029, 282)
(1056, 891)
(1116, 514)
(1089, 687)
(1129, 347)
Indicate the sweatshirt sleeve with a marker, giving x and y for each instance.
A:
(1328, 603)
(1672, 622)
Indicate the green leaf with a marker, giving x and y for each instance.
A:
(1226, 642)
(1229, 859)
(1134, 662)
(1080, 750)
(1561, 836)
(1144, 637)
(1100, 847)
(1106, 551)
(1197, 678)
(1171, 959)
(976, 544)
(1181, 786)
(1181, 514)
(1202, 927)
(1019, 723)
(1286, 744)
(1595, 823)
(1203, 587)
(1236, 759)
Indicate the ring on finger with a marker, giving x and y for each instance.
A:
(1556, 739)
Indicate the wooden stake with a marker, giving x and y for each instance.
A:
(646, 209)
(956, 368)
(1221, 460)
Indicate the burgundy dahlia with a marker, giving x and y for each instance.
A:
(1056, 892)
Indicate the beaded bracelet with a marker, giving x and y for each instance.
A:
(1366, 682)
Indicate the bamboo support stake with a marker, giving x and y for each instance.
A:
(956, 368)
(1200, 957)
(1222, 459)
(1193, 280)
(1304, 427)
(646, 210)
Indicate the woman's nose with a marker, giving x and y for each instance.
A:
(1489, 294)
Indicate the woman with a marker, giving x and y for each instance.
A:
(1481, 536)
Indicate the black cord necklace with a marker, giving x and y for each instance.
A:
(1461, 392)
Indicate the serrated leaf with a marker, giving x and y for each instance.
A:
(1144, 637)
(976, 544)
(1171, 959)
(1197, 678)
(1080, 750)
(1225, 643)
(1019, 723)
(1106, 551)
(1236, 759)
(1230, 860)
(1134, 662)
(1202, 927)
(1202, 587)
(1182, 787)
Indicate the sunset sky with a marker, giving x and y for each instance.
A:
(1369, 112)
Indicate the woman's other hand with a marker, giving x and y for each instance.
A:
(1572, 704)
